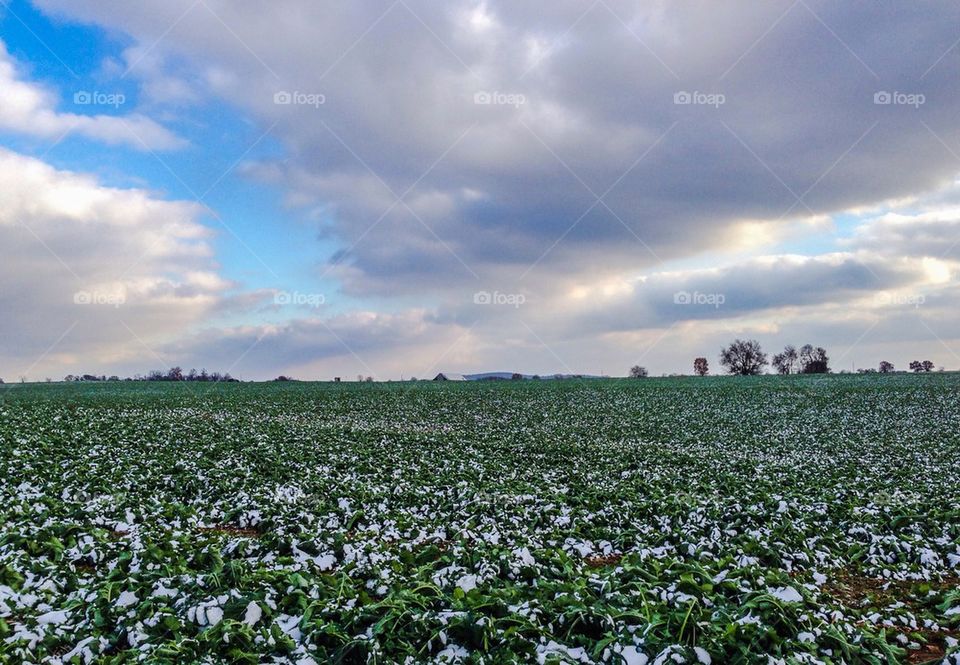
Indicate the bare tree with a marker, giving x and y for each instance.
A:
(786, 362)
(700, 366)
(815, 360)
(886, 367)
(638, 372)
(743, 357)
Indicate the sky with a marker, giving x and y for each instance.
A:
(395, 189)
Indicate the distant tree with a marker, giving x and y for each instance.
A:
(700, 366)
(927, 366)
(916, 366)
(638, 372)
(536, 377)
(743, 357)
(786, 362)
(369, 379)
(114, 378)
(814, 360)
(175, 374)
(283, 377)
(886, 367)
(781, 364)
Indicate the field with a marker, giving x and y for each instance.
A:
(724, 520)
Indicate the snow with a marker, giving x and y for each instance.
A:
(552, 648)
(786, 593)
(253, 614)
(126, 599)
(633, 656)
(55, 618)
(453, 653)
(214, 615)
(523, 554)
(467, 583)
(163, 592)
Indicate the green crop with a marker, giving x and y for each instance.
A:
(723, 520)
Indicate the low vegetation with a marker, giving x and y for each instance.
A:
(698, 520)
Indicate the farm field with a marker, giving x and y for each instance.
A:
(716, 520)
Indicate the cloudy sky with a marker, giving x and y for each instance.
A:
(398, 188)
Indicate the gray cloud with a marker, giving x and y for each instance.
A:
(597, 94)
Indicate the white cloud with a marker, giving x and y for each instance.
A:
(117, 271)
(29, 108)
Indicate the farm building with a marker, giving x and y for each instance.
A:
(447, 376)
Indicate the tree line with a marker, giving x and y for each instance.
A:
(747, 358)
(172, 374)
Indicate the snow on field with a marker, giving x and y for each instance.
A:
(636, 522)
